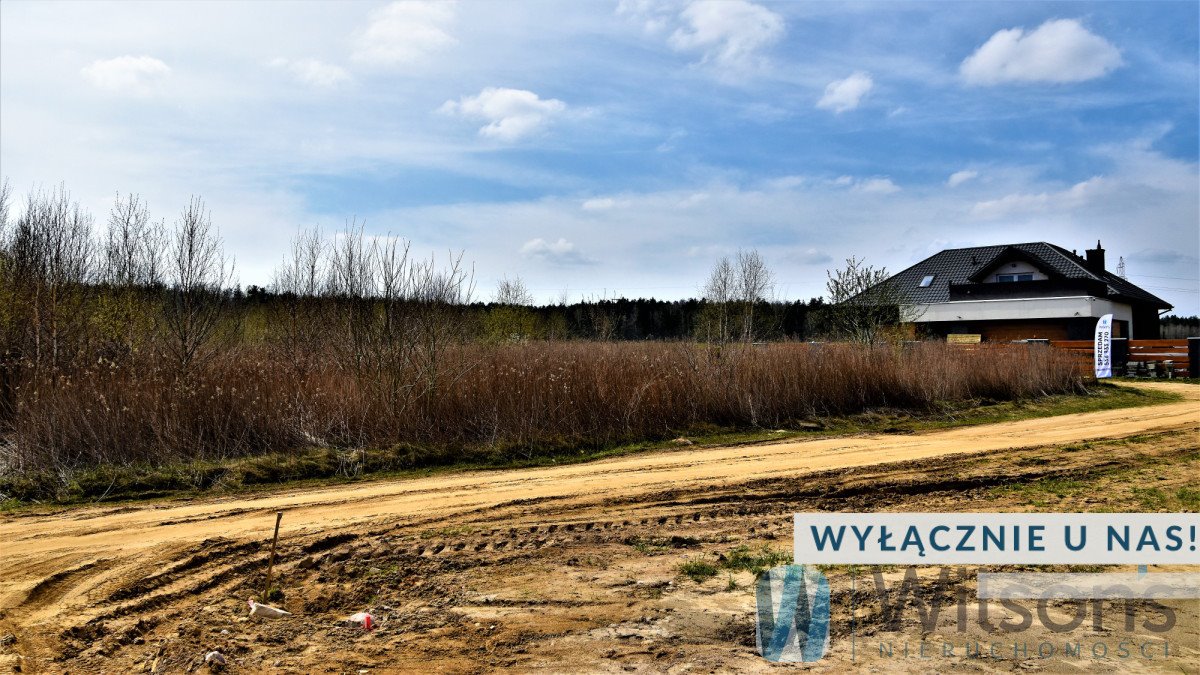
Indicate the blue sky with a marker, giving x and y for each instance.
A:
(604, 148)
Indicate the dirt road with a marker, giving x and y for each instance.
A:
(98, 583)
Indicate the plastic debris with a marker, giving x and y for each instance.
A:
(363, 619)
(266, 611)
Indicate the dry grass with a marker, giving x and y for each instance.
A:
(520, 399)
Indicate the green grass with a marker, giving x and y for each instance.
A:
(1118, 486)
(330, 466)
(745, 559)
(1038, 493)
(1100, 396)
(1179, 380)
(1189, 498)
(1151, 499)
(449, 531)
(698, 569)
(741, 559)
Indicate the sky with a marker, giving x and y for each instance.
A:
(604, 149)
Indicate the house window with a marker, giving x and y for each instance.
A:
(1014, 277)
(927, 281)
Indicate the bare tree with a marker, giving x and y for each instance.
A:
(5, 203)
(350, 283)
(864, 302)
(8, 349)
(133, 250)
(733, 289)
(754, 284)
(50, 268)
(298, 283)
(199, 275)
(513, 292)
(720, 291)
(132, 269)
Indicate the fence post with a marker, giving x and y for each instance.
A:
(1194, 357)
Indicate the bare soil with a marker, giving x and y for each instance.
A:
(559, 569)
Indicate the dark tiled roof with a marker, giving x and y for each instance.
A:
(958, 265)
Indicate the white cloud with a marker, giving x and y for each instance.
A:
(881, 185)
(405, 32)
(843, 95)
(654, 15)
(809, 256)
(959, 177)
(598, 204)
(727, 32)
(878, 186)
(313, 72)
(561, 252)
(787, 182)
(128, 74)
(1076, 196)
(511, 114)
(1061, 50)
(603, 204)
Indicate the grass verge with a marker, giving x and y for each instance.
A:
(318, 466)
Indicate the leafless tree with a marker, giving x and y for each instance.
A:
(8, 351)
(133, 250)
(51, 265)
(754, 283)
(5, 203)
(864, 302)
(513, 292)
(303, 270)
(132, 270)
(732, 291)
(350, 284)
(298, 282)
(720, 291)
(199, 276)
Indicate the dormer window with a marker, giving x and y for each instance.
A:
(1013, 277)
(925, 282)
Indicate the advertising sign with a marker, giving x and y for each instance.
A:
(1103, 348)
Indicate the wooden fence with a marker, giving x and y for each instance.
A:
(1151, 358)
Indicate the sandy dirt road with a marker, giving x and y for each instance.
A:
(100, 570)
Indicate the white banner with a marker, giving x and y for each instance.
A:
(1103, 346)
(997, 538)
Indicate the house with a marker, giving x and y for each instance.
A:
(1023, 291)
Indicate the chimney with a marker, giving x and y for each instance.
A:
(1095, 259)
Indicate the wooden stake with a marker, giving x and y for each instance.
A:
(271, 564)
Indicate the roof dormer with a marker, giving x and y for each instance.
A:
(1011, 265)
